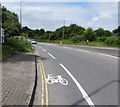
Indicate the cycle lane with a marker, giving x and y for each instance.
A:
(97, 73)
(59, 94)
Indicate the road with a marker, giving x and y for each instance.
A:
(92, 76)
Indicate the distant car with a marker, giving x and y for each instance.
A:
(33, 42)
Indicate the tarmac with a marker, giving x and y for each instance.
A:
(18, 79)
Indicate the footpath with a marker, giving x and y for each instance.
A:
(18, 79)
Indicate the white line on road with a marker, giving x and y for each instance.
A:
(108, 55)
(85, 95)
(83, 50)
(76, 49)
(51, 55)
(67, 47)
(44, 50)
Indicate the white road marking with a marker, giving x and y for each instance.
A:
(51, 55)
(44, 50)
(85, 95)
(108, 55)
(51, 79)
(67, 47)
(76, 49)
(84, 50)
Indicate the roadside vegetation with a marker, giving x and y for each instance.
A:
(16, 36)
(76, 35)
(14, 43)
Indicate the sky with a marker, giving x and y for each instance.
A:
(50, 15)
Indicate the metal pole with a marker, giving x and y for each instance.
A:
(0, 15)
(63, 29)
(21, 13)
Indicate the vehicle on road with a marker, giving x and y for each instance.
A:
(32, 41)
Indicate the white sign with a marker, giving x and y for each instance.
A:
(1, 35)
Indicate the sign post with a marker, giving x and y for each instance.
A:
(1, 35)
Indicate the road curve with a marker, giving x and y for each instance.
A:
(92, 77)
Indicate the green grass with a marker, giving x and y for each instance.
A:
(16, 45)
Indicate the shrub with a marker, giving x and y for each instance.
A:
(20, 44)
(113, 41)
(78, 38)
(101, 39)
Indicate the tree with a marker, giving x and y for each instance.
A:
(99, 32)
(117, 31)
(41, 31)
(89, 34)
(10, 23)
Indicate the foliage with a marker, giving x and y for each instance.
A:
(78, 38)
(117, 31)
(20, 44)
(99, 32)
(89, 34)
(102, 38)
(113, 41)
(10, 23)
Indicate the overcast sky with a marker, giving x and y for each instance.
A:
(50, 15)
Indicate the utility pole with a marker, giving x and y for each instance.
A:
(21, 13)
(0, 15)
(63, 29)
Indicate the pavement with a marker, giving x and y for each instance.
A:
(18, 77)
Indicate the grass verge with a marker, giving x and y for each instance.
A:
(97, 43)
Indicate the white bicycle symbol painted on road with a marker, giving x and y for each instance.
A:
(56, 79)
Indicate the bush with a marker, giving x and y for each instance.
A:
(113, 41)
(78, 38)
(101, 39)
(20, 44)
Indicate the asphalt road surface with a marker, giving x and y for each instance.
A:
(92, 76)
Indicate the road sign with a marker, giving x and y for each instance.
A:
(1, 35)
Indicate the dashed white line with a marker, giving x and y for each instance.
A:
(51, 55)
(85, 95)
(44, 50)
(108, 55)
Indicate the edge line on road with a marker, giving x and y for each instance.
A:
(108, 55)
(46, 89)
(44, 85)
(84, 94)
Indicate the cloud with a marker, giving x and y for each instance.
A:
(51, 15)
(60, 0)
